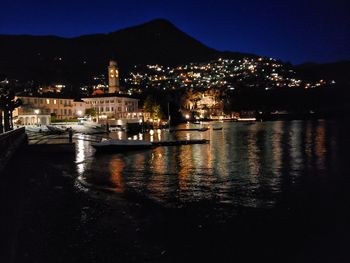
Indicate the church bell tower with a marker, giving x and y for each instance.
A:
(113, 77)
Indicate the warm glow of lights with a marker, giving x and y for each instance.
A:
(116, 167)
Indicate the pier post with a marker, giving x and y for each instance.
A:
(70, 134)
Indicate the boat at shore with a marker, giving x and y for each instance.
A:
(34, 128)
(203, 129)
(121, 145)
(217, 128)
(55, 129)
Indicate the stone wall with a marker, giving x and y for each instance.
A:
(10, 142)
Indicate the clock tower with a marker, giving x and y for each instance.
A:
(113, 77)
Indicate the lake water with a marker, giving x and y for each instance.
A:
(245, 164)
(265, 191)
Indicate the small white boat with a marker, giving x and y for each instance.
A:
(246, 119)
(121, 145)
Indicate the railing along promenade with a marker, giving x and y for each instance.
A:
(10, 142)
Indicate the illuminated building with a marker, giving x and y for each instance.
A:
(113, 107)
(60, 108)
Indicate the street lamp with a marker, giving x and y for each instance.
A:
(187, 117)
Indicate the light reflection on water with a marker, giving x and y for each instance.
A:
(244, 164)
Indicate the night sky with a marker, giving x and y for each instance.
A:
(297, 31)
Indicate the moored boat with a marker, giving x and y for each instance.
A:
(55, 129)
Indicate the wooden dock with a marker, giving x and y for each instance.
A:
(50, 148)
(179, 142)
(189, 129)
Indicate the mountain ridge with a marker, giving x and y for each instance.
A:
(51, 58)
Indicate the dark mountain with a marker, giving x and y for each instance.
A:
(75, 60)
(338, 71)
(47, 59)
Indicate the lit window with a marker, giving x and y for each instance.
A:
(47, 101)
(54, 101)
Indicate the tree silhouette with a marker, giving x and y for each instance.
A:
(7, 106)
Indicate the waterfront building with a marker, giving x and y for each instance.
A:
(55, 106)
(111, 107)
(114, 108)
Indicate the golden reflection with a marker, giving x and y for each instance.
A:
(120, 135)
(158, 163)
(185, 163)
(253, 150)
(160, 173)
(320, 148)
(220, 155)
(295, 147)
(159, 135)
(80, 156)
(209, 156)
(277, 148)
(139, 162)
(116, 167)
(309, 139)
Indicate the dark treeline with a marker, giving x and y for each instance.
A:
(325, 102)
(317, 99)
